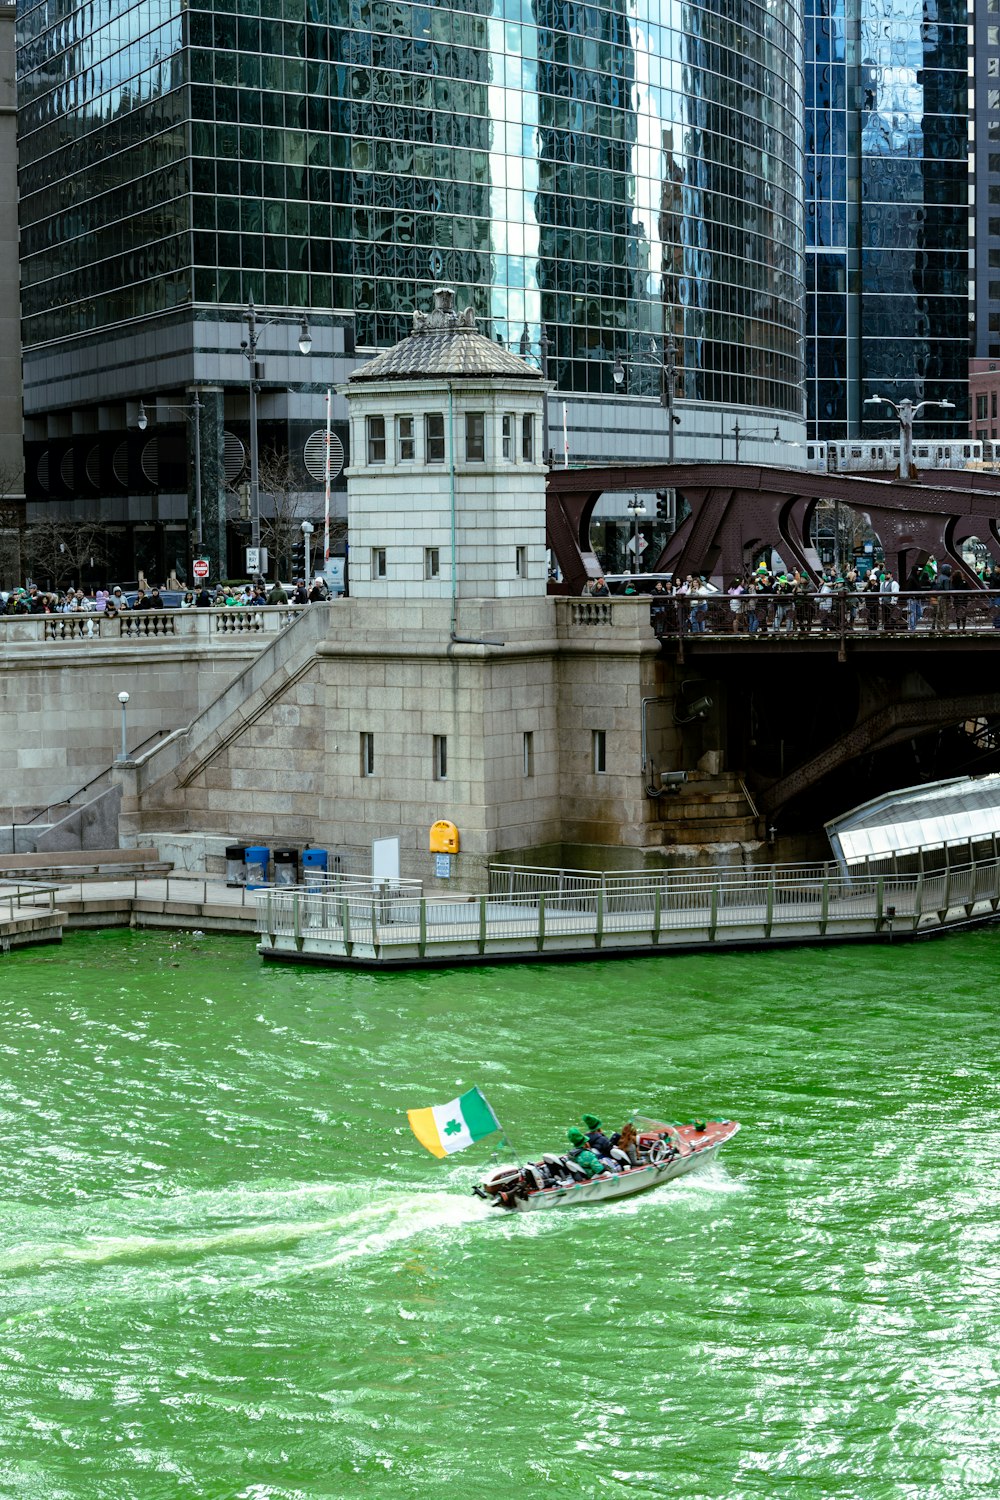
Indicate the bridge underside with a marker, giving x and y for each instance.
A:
(813, 736)
(735, 509)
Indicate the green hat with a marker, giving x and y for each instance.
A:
(592, 1122)
(576, 1135)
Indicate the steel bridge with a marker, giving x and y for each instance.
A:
(736, 509)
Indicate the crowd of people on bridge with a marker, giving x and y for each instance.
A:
(767, 601)
(115, 600)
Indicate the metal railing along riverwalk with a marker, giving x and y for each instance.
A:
(783, 906)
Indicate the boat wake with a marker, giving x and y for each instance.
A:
(356, 1228)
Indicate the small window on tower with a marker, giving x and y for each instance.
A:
(376, 440)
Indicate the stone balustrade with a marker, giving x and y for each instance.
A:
(146, 624)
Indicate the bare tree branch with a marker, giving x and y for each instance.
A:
(57, 552)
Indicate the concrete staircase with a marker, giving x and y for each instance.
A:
(83, 864)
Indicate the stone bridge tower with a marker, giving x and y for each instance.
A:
(446, 488)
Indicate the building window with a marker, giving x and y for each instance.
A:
(981, 408)
(406, 440)
(475, 437)
(440, 757)
(528, 437)
(367, 754)
(600, 740)
(993, 404)
(376, 439)
(507, 435)
(529, 753)
(379, 562)
(434, 437)
(432, 562)
(521, 561)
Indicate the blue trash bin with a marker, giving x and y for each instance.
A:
(257, 861)
(315, 863)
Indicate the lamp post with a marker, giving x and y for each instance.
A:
(524, 349)
(197, 408)
(248, 346)
(636, 509)
(668, 379)
(668, 376)
(907, 414)
(307, 531)
(754, 432)
(123, 700)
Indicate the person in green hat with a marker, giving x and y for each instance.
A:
(596, 1138)
(582, 1154)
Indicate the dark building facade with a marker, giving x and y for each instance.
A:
(594, 179)
(887, 213)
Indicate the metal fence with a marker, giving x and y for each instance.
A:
(783, 904)
(780, 616)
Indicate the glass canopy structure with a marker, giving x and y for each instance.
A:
(938, 815)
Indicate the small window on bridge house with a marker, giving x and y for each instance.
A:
(528, 438)
(475, 437)
(507, 435)
(406, 442)
(600, 748)
(434, 437)
(376, 439)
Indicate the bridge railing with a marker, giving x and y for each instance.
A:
(143, 624)
(785, 616)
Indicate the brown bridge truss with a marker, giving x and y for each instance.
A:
(738, 508)
(896, 721)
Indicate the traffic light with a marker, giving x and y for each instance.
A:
(663, 507)
(298, 560)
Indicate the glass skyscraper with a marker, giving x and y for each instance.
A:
(592, 178)
(887, 212)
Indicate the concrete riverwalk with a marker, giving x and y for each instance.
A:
(36, 912)
(348, 923)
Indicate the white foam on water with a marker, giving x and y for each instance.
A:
(360, 1229)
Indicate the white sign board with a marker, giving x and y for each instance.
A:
(253, 560)
(385, 861)
(630, 544)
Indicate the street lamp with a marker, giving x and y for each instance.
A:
(636, 509)
(668, 380)
(248, 346)
(754, 432)
(307, 531)
(907, 414)
(123, 700)
(197, 407)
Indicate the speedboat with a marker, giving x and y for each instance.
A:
(666, 1151)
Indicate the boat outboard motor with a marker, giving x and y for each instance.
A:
(501, 1185)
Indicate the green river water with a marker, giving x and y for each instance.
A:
(227, 1269)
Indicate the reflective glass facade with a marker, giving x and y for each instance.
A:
(605, 174)
(986, 166)
(887, 211)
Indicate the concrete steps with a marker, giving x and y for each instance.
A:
(83, 864)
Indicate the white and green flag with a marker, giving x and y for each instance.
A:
(446, 1128)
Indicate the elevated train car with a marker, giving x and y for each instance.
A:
(883, 457)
